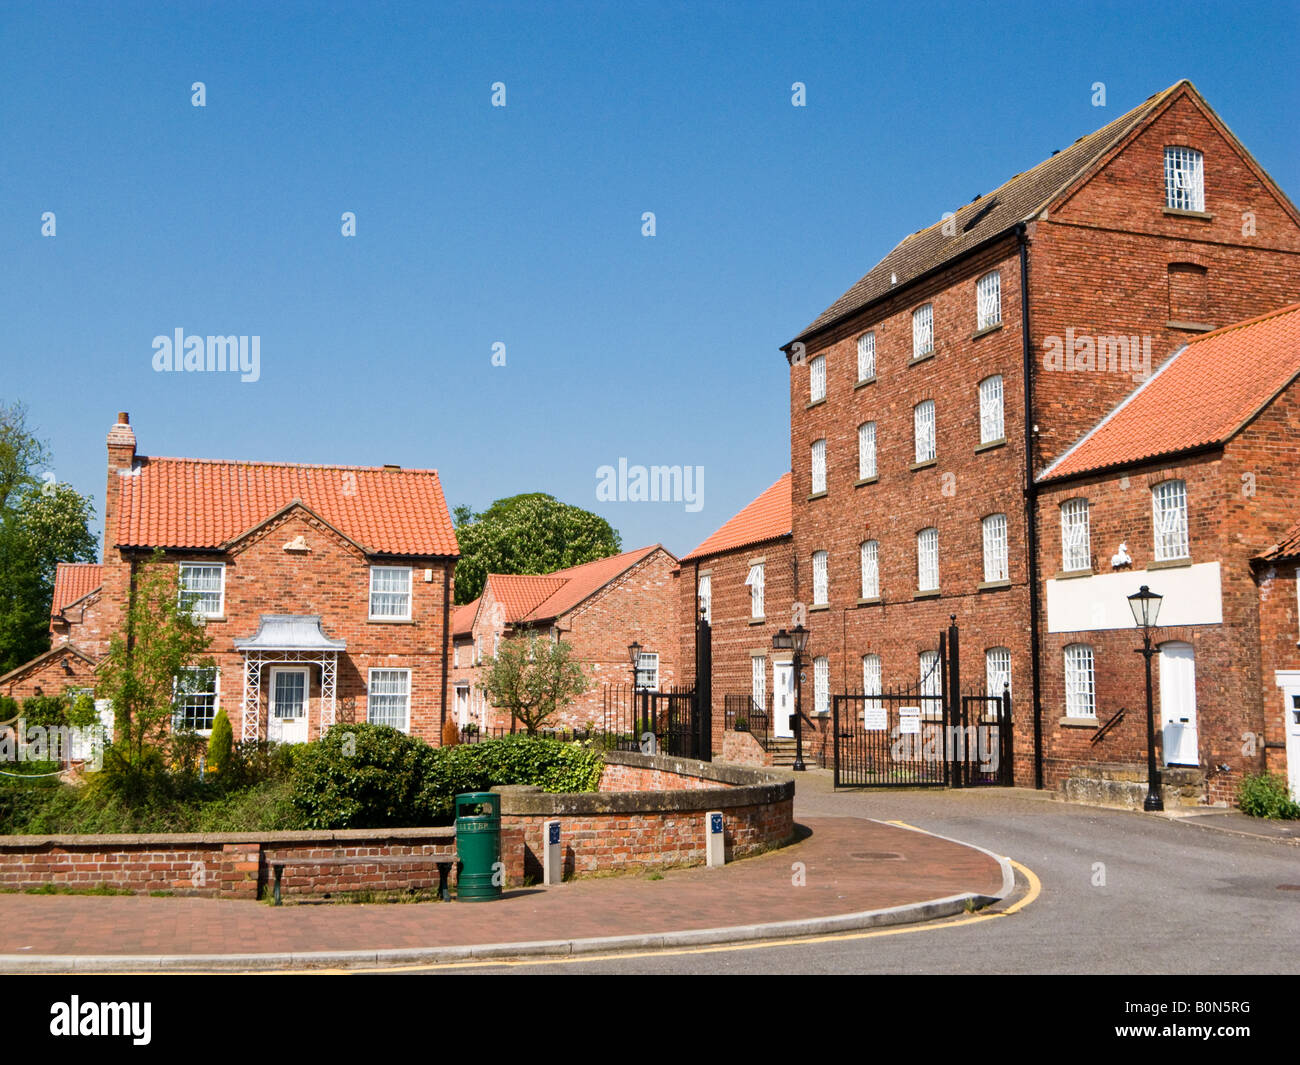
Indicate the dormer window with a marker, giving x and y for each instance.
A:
(1184, 179)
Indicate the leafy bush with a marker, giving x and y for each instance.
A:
(373, 776)
(8, 708)
(46, 710)
(1267, 795)
(221, 744)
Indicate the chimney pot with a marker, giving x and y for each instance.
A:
(123, 418)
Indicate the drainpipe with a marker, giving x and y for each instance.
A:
(1031, 506)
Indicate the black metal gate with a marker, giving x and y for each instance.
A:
(930, 735)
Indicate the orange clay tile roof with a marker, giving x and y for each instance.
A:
(1286, 548)
(527, 598)
(1203, 395)
(73, 581)
(205, 503)
(766, 518)
(462, 618)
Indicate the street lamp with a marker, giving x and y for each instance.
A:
(795, 641)
(634, 653)
(1145, 605)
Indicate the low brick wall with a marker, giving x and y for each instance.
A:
(650, 814)
(237, 864)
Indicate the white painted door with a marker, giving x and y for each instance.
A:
(1178, 704)
(289, 705)
(1290, 684)
(782, 698)
(462, 705)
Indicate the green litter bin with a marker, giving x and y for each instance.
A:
(478, 846)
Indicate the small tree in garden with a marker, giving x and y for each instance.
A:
(160, 641)
(221, 744)
(532, 677)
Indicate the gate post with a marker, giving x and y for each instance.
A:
(704, 687)
(952, 712)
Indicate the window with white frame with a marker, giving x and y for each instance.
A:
(455, 655)
(755, 582)
(818, 466)
(866, 356)
(922, 331)
(927, 560)
(390, 592)
(706, 596)
(195, 699)
(647, 671)
(817, 378)
(1184, 179)
(872, 681)
(496, 644)
(1076, 541)
(1080, 685)
(988, 300)
(203, 588)
(388, 698)
(995, 547)
(1169, 515)
(758, 682)
(478, 650)
(869, 556)
(931, 685)
(866, 450)
(997, 670)
(923, 424)
(822, 685)
(991, 420)
(821, 578)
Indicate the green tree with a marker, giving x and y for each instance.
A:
(161, 642)
(40, 526)
(532, 677)
(531, 533)
(221, 744)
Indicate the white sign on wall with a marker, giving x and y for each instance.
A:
(909, 720)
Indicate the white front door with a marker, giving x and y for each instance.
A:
(462, 705)
(289, 705)
(782, 698)
(1178, 704)
(1289, 682)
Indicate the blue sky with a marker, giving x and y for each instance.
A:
(522, 225)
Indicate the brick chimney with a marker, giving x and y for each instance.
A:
(121, 456)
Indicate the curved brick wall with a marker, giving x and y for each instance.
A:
(650, 814)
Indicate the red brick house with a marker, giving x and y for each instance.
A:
(1193, 491)
(67, 665)
(742, 577)
(1277, 571)
(600, 608)
(926, 400)
(326, 590)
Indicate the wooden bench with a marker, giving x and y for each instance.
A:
(443, 857)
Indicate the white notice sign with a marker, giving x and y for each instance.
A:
(875, 718)
(909, 720)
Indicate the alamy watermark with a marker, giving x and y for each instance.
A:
(1103, 353)
(21, 742)
(651, 484)
(214, 354)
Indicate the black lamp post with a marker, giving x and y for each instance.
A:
(795, 641)
(634, 653)
(1145, 605)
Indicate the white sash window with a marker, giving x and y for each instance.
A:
(870, 558)
(866, 356)
(1184, 179)
(922, 331)
(995, 547)
(1076, 542)
(1169, 514)
(866, 450)
(988, 300)
(991, 421)
(923, 423)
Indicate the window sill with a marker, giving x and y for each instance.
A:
(875, 600)
(991, 445)
(1079, 722)
(757, 621)
(923, 465)
(1070, 574)
(925, 357)
(814, 403)
(1178, 212)
(208, 619)
(1190, 327)
(817, 495)
(391, 621)
(932, 594)
(992, 586)
(865, 480)
(986, 331)
(1170, 563)
(864, 382)
(816, 607)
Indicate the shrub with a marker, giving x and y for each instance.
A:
(221, 745)
(46, 710)
(1267, 795)
(360, 776)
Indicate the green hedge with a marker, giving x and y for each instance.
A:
(373, 776)
(1267, 795)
